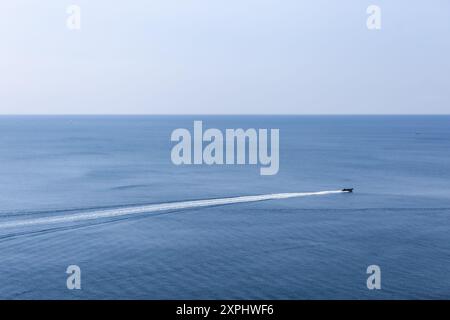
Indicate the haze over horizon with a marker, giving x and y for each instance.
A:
(225, 57)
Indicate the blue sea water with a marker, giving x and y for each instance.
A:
(301, 248)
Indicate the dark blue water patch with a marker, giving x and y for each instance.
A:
(316, 247)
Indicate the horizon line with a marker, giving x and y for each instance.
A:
(221, 114)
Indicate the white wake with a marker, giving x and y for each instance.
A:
(111, 213)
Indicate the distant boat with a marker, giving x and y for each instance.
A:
(348, 190)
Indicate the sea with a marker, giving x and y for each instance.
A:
(102, 193)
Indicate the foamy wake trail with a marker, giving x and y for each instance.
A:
(111, 213)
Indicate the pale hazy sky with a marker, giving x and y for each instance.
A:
(224, 56)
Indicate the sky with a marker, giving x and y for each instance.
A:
(225, 57)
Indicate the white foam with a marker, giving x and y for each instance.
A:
(111, 213)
